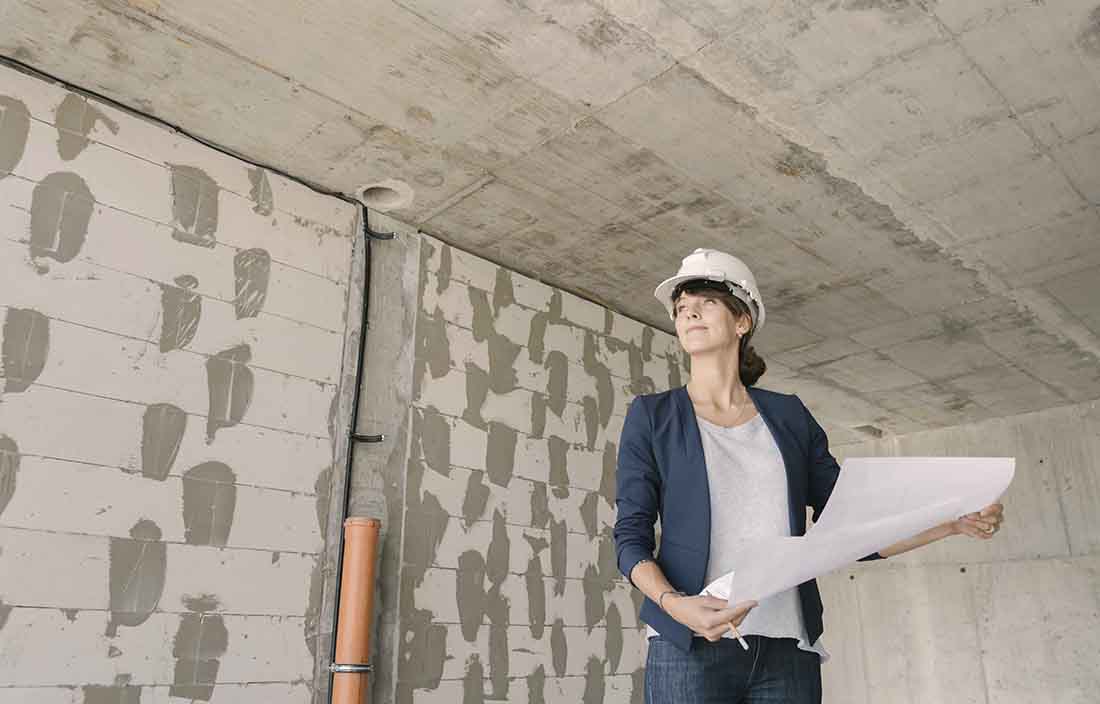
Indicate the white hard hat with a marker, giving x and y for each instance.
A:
(712, 265)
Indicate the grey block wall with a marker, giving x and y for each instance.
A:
(1007, 621)
(498, 579)
(172, 325)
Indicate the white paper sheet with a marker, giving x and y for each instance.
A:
(877, 501)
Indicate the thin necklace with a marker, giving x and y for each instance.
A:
(737, 419)
(748, 404)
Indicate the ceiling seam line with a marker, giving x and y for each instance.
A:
(161, 122)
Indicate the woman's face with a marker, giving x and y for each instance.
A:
(705, 324)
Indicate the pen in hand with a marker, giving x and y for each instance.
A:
(737, 634)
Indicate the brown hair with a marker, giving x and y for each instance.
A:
(751, 365)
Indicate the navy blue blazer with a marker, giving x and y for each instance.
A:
(662, 472)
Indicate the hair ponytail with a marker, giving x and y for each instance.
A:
(752, 365)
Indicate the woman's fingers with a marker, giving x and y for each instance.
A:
(720, 608)
(982, 523)
(742, 609)
(716, 632)
(712, 602)
(976, 532)
(711, 617)
(975, 529)
(992, 516)
(733, 615)
(992, 510)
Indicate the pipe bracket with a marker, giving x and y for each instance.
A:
(378, 236)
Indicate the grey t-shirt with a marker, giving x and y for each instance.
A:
(748, 500)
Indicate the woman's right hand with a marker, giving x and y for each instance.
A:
(706, 615)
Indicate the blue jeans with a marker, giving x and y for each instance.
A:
(772, 671)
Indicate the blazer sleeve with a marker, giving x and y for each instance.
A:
(637, 490)
(824, 471)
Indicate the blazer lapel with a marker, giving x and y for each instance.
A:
(694, 476)
(693, 441)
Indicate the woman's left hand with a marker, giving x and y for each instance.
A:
(982, 524)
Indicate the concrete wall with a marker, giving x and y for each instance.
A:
(1012, 620)
(497, 484)
(173, 331)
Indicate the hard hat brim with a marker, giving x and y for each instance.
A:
(664, 290)
(663, 293)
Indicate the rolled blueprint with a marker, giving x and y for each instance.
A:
(877, 501)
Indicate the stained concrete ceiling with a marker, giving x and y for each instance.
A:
(915, 183)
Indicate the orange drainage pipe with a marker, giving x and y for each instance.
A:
(351, 667)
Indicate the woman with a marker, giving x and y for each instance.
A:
(721, 462)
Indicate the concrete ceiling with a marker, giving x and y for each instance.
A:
(915, 183)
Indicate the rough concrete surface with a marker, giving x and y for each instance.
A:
(874, 162)
(1011, 620)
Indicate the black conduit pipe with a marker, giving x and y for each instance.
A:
(354, 438)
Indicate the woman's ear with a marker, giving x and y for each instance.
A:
(744, 325)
